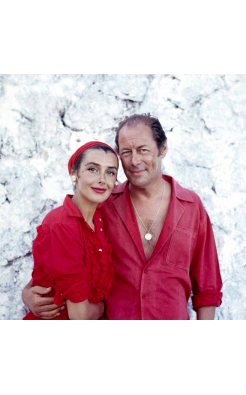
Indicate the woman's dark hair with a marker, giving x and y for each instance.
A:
(153, 122)
(77, 164)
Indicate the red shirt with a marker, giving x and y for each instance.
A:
(71, 258)
(184, 259)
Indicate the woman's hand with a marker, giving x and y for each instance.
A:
(41, 306)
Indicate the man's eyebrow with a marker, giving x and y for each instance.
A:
(140, 146)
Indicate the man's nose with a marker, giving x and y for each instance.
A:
(136, 160)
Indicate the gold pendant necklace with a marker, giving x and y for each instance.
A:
(148, 236)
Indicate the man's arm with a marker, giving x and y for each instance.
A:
(205, 313)
(41, 306)
(205, 272)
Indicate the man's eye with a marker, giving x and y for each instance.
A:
(125, 153)
(143, 150)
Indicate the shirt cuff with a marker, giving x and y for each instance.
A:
(76, 293)
(207, 299)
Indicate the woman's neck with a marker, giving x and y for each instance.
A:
(86, 207)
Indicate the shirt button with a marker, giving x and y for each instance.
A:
(144, 297)
(101, 229)
(100, 250)
(146, 271)
(100, 219)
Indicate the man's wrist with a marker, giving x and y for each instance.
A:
(205, 313)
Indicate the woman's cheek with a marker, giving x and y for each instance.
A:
(112, 183)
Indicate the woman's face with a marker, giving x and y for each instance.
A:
(96, 176)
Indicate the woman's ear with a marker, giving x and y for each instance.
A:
(73, 176)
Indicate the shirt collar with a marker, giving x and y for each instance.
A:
(70, 207)
(180, 192)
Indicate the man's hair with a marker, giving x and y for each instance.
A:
(146, 119)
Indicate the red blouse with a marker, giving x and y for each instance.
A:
(71, 258)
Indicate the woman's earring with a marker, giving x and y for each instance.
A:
(73, 178)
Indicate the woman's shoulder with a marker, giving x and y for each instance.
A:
(58, 226)
(55, 216)
(58, 218)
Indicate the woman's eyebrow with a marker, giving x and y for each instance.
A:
(112, 167)
(92, 163)
(97, 164)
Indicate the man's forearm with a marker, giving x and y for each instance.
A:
(205, 313)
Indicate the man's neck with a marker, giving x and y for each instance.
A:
(151, 191)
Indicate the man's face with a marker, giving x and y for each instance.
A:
(139, 154)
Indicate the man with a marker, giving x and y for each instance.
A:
(162, 238)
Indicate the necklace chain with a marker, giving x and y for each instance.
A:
(148, 235)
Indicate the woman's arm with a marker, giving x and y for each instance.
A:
(85, 310)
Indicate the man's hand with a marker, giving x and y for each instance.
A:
(41, 306)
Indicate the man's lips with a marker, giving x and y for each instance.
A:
(136, 172)
(99, 190)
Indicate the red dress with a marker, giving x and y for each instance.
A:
(71, 258)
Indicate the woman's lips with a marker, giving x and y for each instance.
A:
(99, 190)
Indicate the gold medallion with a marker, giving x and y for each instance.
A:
(148, 236)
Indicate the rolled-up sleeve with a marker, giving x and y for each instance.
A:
(204, 270)
(60, 252)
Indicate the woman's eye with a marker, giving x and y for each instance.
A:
(111, 173)
(92, 169)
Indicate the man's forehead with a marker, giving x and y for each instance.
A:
(135, 140)
(137, 135)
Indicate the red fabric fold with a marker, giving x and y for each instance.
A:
(71, 258)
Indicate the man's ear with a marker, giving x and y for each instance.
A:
(163, 150)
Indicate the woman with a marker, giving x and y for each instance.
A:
(71, 252)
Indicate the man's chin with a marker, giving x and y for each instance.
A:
(138, 182)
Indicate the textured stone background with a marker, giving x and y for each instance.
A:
(44, 118)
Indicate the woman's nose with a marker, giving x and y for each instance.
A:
(102, 179)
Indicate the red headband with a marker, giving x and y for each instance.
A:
(84, 147)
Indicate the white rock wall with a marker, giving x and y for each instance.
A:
(44, 118)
